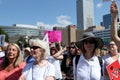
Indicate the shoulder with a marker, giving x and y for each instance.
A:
(106, 56)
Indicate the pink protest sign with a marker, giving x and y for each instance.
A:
(54, 36)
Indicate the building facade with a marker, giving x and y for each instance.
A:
(85, 14)
(23, 30)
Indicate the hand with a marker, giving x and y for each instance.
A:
(114, 8)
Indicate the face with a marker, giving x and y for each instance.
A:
(112, 46)
(89, 44)
(53, 52)
(72, 50)
(12, 52)
(36, 51)
(26, 52)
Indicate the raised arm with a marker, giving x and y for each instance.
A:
(114, 29)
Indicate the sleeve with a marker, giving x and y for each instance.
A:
(26, 69)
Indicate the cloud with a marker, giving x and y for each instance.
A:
(99, 5)
(62, 21)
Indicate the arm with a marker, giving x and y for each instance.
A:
(59, 54)
(50, 78)
(114, 32)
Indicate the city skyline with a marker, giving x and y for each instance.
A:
(47, 13)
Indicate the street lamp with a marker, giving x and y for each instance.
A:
(22, 44)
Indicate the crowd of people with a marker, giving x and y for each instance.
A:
(86, 59)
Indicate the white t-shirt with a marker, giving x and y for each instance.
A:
(87, 70)
(35, 72)
(56, 63)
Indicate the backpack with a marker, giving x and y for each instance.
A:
(99, 58)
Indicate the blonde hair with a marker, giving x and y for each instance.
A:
(18, 60)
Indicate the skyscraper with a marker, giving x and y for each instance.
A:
(107, 21)
(85, 14)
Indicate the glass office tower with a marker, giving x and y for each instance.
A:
(85, 14)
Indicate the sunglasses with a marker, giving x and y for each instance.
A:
(34, 47)
(90, 41)
(72, 47)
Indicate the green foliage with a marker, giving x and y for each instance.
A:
(22, 42)
(6, 35)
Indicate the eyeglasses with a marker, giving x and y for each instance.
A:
(34, 47)
(88, 41)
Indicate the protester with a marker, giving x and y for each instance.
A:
(12, 64)
(55, 58)
(88, 66)
(27, 55)
(109, 58)
(40, 69)
(103, 51)
(67, 62)
(114, 31)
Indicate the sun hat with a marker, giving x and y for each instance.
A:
(42, 44)
(88, 35)
(27, 48)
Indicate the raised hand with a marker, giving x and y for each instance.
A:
(114, 8)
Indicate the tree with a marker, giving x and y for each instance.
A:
(22, 42)
(6, 35)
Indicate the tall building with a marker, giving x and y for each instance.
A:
(85, 14)
(107, 21)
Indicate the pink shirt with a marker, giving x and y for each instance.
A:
(12, 75)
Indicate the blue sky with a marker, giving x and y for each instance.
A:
(48, 13)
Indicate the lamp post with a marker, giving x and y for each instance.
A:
(26, 39)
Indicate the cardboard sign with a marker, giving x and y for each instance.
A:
(2, 40)
(114, 70)
(54, 36)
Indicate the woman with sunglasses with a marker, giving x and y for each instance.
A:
(67, 62)
(12, 64)
(109, 58)
(55, 58)
(88, 66)
(40, 69)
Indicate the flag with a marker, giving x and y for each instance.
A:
(46, 39)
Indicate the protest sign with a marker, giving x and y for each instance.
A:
(114, 70)
(54, 36)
